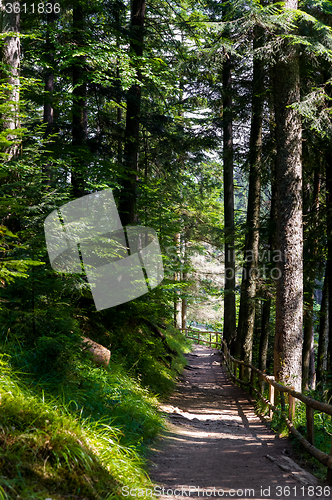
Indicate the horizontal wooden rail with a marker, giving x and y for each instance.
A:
(233, 364)
(199, 339)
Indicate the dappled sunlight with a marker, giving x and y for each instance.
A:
(214, 439)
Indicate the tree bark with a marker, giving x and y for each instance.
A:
(329, 251)
(127, 204)
(49, 74)
(250, 273)
(48, 117)
(184, 278)
(10, 58)
(267, 302)
(309, 288)
(265, 333)
(184, 309)
(289, 299)
(79, 110)
(323, 334)
(229, 294)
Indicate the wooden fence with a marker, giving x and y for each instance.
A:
(236, 369)
(199, 335)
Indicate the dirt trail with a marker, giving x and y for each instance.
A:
(215, 446)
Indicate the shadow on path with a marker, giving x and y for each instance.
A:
(215, 445)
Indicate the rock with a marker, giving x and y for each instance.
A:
(288, 465)
(100, 354)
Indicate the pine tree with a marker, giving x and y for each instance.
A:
(289, 299)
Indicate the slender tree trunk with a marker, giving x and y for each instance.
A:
(127, 205)
(184, 308)
(177, 278)
(229, 297)
(289, 300)
(79, 110)
(267, 302)
(184, 278)
(49, 75)
(309, 288)
(48, 105)
(48, 117)
(177, 312)
(329, 252)
(323, 334)
(308, 332)
(265, 333)
(10, 59)
(250, 272)
(119, 14)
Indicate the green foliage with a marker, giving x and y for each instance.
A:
(84, 429)
(46, 451)
(179, 193)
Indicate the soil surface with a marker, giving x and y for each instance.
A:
(215, 445)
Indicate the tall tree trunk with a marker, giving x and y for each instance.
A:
(177, 277)
(184, 278)
(119, 9)
(229, 296)
(323, 341)
(10, 59)
(289, 300)
(79, 110)
(184, 308)
(48, 117)
(265, 333)
(267, 302)
(329, 251)
(267, 294)
(250, 273)
(49, 75)
(309, 288)
(127, 204)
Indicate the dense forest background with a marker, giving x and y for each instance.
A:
(211, 123)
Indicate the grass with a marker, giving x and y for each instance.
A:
(83, 435)
(46, 452)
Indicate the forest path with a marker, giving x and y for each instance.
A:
(215, 445)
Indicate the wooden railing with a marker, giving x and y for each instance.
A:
(236, 369)
(198, 335)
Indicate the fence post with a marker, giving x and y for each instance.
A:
(282, 401)
(241, 372)
(310, 425)
(271, 398)
(235, 369)
(225, 353)
(252, 381)
(291, 406)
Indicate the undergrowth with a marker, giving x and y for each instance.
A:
(81, 432)
(323, 433)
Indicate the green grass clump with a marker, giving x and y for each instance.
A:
(45, 452)
(70, 429)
